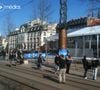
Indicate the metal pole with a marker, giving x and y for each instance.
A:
(97, 46)
(83, 45)
(46, 48)
(90, 42)
(76, 46)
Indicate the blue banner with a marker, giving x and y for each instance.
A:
(28, 56)
(33, 55)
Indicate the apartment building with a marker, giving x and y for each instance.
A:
(31, 35)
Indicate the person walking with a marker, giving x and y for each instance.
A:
(20, 56)
(39, 61)
(62, 69)
(56, 63)
(14, 58)
(95, 64)
(86, 66)
(3, 54)
(68, 63)
(10, 57)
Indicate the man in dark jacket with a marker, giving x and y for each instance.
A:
(86, 66)
(56, 63)
(68, 63)
(39, 61)
(3, 54)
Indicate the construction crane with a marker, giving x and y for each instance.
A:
(61, 28)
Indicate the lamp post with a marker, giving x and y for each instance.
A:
(46, 47)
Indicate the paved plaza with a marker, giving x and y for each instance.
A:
(74, 80)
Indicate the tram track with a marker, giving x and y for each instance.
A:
(41, 74)
(30, 71)
(23, 78)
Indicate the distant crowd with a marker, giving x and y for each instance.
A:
(14, 56)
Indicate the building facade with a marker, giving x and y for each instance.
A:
(83, 37)
(31, 36)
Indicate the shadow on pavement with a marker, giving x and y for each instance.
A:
(76, 75)
(50, 78)
(49, 71)
(35, 68)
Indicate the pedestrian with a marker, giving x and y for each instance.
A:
(3, 54)
(20, 57)
(14, 58)
(39, 61)
(68, 63)
(11, 56)
(95, 64)
(86, 66)
(56, 63)
(62, 69)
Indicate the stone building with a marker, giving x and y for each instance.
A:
(31, 35)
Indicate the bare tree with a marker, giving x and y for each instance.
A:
(44, 14)
(44, 10)
(8, 24)
(93, 7)
(34, 15)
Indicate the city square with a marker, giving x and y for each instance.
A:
(50, 44)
